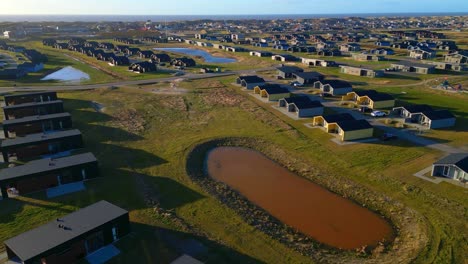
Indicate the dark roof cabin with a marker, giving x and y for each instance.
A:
(15, 99)
(42, 174)
(33, 109)
(35, 145)
(183, 62)
(83, 232)
(303, 106)
(160, 57)
(307, 77)
(36, 124)
(143, 67)
(285, 72)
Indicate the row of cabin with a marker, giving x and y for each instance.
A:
(344, 125)
(36, 126)
(35, 63)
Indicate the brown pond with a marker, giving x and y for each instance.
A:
(297, 202)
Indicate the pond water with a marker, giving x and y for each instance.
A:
(297, 202)
(67, 74)
(199, 53)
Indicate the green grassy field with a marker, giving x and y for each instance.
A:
(141, 140)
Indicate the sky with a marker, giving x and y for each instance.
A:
(226, 7)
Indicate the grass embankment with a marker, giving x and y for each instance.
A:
(142, 139)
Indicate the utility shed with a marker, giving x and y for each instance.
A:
(453, 166)
(35, 145)
(36, 124)
(72, 237)
(32, 109)
(46, 173)
(15, 99)
(303, 106)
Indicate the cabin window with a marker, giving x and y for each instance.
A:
(83, 173)
(446, 170)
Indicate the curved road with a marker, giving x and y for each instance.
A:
(191, 76)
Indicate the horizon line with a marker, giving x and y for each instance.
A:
(261, 14)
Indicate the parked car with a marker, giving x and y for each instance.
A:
(378, 113)
(296, 84)
(388, 136)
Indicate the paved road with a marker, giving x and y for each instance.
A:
(21, 88)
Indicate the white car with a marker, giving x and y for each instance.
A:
(378, 113)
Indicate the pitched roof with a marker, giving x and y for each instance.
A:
(251, 79)
(289, 69)
(458, 159)
(38, 137)
(365, 92)
(338, 117)
(46, 237)
(337, 84)
(308, 75)
(275, 89)
(303, 102)
(438, 114)
(418, 108)
(376, 97)
(351, 125)
(45, 165)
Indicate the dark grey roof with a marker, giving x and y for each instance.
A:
(39, 137)
(337, 84)
(46, 165)
(289, 69)
(269, 85)
(252, 79)
(438, 114)
(28, 94)
(308, 75)
(351, 125)
(418, 108)
(30, 119)
(275, 90)
(365, 92)
(338, 117)
(33, 104)
(414, 64)
(303, 102)
(376, 97)
(458, 159)
(46, 237)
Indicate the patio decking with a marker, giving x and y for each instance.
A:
(103, 255)
(65, 189)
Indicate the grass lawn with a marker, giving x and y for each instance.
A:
(148, 148)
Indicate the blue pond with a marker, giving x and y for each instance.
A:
(199, 53)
